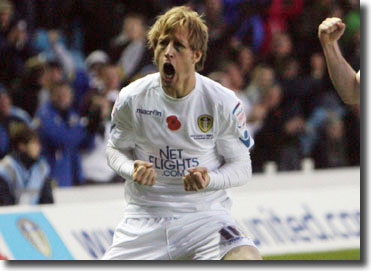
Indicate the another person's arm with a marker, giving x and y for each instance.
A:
(345, 79)
(62, 54)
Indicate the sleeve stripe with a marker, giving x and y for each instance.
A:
(234, 110)
(246, 142)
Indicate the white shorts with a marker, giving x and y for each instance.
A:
(200, 236)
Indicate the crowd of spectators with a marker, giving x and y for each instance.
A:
(62, 64)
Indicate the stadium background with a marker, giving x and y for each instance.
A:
(267, 51)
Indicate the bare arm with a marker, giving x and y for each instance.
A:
(345, 79)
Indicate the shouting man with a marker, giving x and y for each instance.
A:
(180, 140)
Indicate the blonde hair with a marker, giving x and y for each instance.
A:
(181, 16)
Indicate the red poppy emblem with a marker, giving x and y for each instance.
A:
(173, 123)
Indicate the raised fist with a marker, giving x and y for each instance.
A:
(330, 30)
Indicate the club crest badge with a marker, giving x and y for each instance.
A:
(205, 122)
(35, 235)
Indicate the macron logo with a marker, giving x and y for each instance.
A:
(153, 113)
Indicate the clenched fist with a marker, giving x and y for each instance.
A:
(144, 173)
(196, 179)
(330, 30)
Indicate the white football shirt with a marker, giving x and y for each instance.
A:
(205, 128)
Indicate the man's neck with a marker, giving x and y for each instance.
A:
(183, 89)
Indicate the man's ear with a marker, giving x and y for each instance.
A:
(197, 56)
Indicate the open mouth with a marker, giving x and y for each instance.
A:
(169, 71)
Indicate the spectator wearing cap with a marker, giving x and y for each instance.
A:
(24, 175)
(9, 116)
(63, 134)
(91, 78)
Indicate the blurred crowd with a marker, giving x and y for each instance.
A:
(63, 63)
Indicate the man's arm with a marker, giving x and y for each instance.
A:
(62, 54)
(124, 165)
(345, 79)
(119, 151)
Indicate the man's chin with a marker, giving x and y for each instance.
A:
(167, 81)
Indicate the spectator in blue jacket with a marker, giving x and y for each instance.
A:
(24, 176)
(63, 134)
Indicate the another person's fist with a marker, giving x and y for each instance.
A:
(144, 173)
(330, 30)
(196, 179)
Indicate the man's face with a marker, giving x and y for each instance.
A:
(111, 77)
(56, 74)
(266, 78)
(62, 97)
(5, 15)
(33, 148)
(175, 59)
(236, 76)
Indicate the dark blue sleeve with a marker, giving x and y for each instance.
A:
(4, 142)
